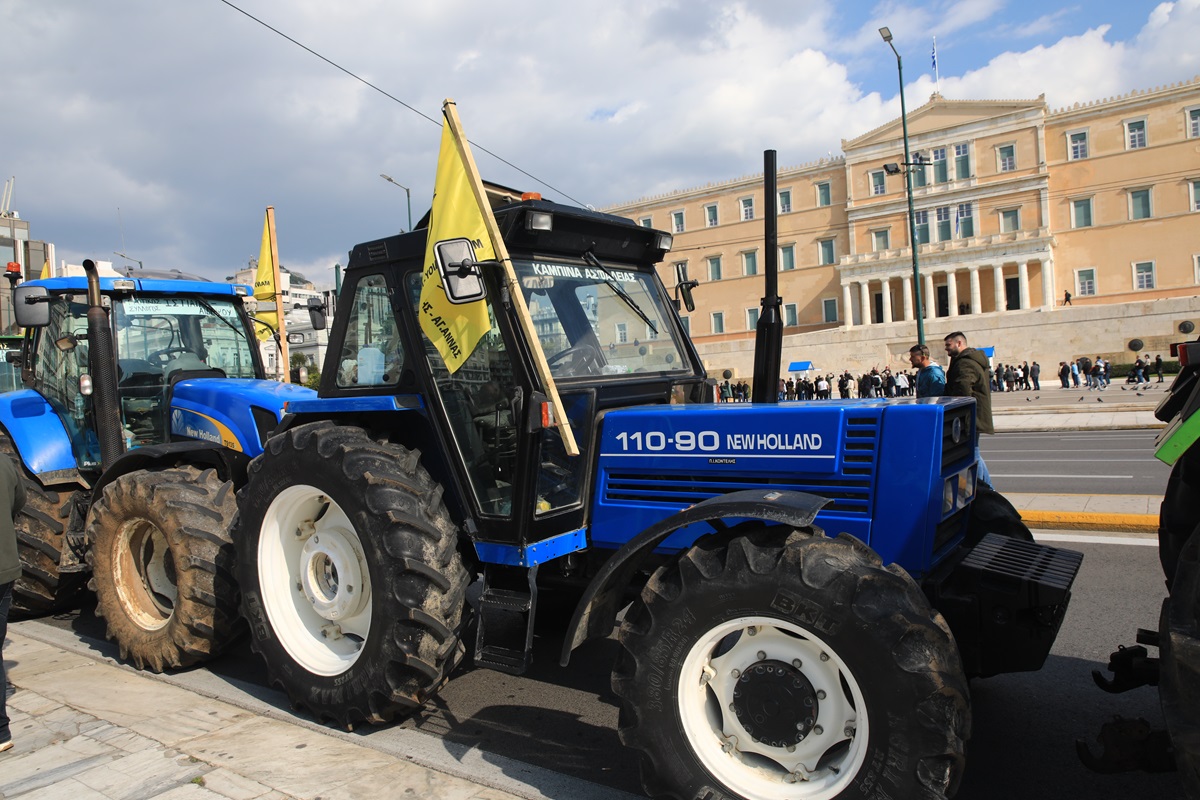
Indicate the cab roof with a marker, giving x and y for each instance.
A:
(108, 285)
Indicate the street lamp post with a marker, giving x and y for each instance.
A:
(908, 167)
(407, 194)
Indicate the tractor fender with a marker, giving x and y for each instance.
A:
(38, 434)
(229, 464)
(597, 610)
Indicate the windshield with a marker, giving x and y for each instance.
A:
(166, 334)
(599, 321)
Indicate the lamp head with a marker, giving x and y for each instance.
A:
(891, 169)
(886, 33)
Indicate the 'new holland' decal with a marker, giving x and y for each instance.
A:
(195, 425)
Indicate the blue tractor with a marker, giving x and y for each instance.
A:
(143, 402)
(760, 658)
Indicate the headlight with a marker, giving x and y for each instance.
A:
(539, 221)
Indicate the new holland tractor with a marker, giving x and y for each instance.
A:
(143, 402)
(760, 657)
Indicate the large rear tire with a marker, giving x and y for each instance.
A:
(162, 561)
(41, 526)
(801, 668)
(351, 580)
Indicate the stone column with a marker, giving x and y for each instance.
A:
(864, 299)
(906, 297)
(847, 306)
(1048, 293)
(1023, 281)
(976, 300)
(998, 282)
(952, 291)
(886, 288)
(929, 300)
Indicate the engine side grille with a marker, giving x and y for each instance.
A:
(956, 452)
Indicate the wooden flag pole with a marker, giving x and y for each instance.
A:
(280, 314)
(510, 279)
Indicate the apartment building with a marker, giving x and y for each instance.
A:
(1014, 205)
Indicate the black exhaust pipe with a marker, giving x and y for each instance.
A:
(768, 341)
(102, 366)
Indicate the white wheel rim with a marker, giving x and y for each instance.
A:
(314, 581)
(823, 763)
(144, 574)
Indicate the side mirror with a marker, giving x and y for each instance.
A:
(684, 286)
(316, 314)
(460, 273)
(13, 357)
(295, 338)
(31, 304)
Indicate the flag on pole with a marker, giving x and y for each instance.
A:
(936, 77)
(45, 270)
(265, 278)
(454, 329)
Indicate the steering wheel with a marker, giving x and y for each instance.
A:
(163, 356)
(581, 358)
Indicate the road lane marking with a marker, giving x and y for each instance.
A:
(1095, 538)
(1077, 477)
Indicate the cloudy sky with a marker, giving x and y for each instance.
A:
(163, 129)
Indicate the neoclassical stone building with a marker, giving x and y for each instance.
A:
(1014, 206)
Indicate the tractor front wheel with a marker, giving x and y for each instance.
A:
(790, 666)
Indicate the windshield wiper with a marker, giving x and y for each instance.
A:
(611, 281)
(208, 307)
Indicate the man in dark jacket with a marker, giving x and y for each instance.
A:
(968, 377)
(12, 498)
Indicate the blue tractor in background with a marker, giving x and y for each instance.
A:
(143, 402)
(759, 657)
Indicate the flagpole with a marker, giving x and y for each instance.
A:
(284, 370)
(510, 277)
(936, 76)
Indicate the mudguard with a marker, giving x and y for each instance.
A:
(37, 433)
(597, 610)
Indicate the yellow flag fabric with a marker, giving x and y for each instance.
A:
(455, 330)
(45, 270)
(264, 284)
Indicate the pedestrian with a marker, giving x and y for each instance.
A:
(1075, 373)
(1158, 367)
(726, 392)
(1035, 372)
(902, 384)
(1064, 374)
(12, 498)
(931, 380)
(1066, 298)
(822, 388)
(851, 386)
(967, 377)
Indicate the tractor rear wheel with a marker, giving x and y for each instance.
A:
(799, 667)
(41, 526)
(162, 562)
(350, 574)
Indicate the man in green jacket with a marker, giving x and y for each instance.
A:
(12, 498)
(968, 377)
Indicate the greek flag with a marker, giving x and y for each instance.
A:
(935, 55)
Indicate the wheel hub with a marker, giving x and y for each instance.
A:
(775, 703)
(331, 575)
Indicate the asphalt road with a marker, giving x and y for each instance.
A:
(1075, 462)
(1025, 725)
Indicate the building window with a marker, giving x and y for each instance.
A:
(676, 222)
(785, 201)
(918, 170)
(747, 204)
(941, 170)
(881, 240)
(878, 184)
(718, 322)
(752, 318)
(962, 161)
(710, 216)
(646, 222)
(651, 333)
(1194, 123)
(787, 257)
(825, 253)
(750, 263)
(921, 221)
(1143, 275)
(714, 268)
(943, 223)
(1139, 204)
(1135, 134)
(790, 319)
(964, 221)
(1196, 267)
(686, 322)
(1085, 282)
(1006, 157)
(622, 333)
(829, 309)
(1077, 145)
(1195, 204)
(1010, 220)
(824, 195)
(1081, 213)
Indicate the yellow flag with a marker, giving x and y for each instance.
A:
(45, 270)
(454, 329)
(264, 282)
